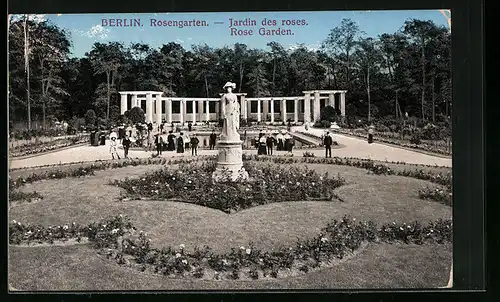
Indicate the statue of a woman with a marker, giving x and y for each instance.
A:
(230, 114)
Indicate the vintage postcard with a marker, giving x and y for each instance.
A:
(229, 151)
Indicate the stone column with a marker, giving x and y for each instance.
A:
(296, 110)
(259, 116)
(149, 108)
(265, 110)
(193, 105)
(168, 106)
(182, 106)
(283, 110)
(249, 108)
(272, 111)
(317, 105)
(200, 110)
(134, 101)
(331, 100)
(158, 109)
(342, 104)
(244, 107)
(307, 107)
(217, 111)
(123, 105)
(207, 112)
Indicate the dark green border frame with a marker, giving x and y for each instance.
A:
(468, 132)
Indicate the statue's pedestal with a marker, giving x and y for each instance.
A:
(230, 162)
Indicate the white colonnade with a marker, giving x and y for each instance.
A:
(306, 108)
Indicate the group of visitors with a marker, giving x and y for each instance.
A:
(161, 141)
(265, 143)
(178, 143)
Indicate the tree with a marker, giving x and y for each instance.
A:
(342, 40)
(136, 115)
(392, 49)
(367, 60)
(241, 59)
(107, 59)
(279, 79)
(50, 48)
(257, 78)
(421, 32)
(204, 62)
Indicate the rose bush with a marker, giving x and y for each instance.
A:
(438, 147)
(437, 194)
(115, 239)
(36, 148)
(15, 195)
(444, 179)
(194, 184)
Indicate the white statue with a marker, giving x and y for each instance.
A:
(230, 114)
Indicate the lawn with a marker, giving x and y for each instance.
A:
(378, 198)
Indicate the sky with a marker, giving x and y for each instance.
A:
(86, 29)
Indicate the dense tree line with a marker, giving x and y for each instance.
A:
(389, 75)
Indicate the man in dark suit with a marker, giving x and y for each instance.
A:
(213, 138)
(328, 141)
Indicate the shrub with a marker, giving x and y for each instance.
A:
(193, 183)
(136, 115)
(90, 118)
(336, 240)
(440, 195)
(308, 154)
(415, 139)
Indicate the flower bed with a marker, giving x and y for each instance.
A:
(308, 154)
(194, 184)
(116, 239)
(89, 170)
(30, 149)
(437, 194)
(444, 179)
(22, 196)
(443, 150)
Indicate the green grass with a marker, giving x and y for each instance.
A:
(368, 197)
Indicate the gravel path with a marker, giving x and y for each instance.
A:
(354, 147)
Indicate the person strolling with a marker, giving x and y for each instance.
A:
(371, 129)
(270, 143)
(126, 145)
(158, 143)
(194, 145)
(213, 138)
(262, 145)
(180, 143)
(328, 141)
(171, 141)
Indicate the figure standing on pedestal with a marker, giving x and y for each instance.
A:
(230, 161)
(230, 114)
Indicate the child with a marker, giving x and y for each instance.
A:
(112, 148)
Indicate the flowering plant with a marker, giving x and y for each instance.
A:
(114, 238)
(36, 148)
(440, 195)
(193, 183)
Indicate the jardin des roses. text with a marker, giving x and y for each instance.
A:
(267, 27)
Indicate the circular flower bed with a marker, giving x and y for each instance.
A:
(269, 183)
(116, 239)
